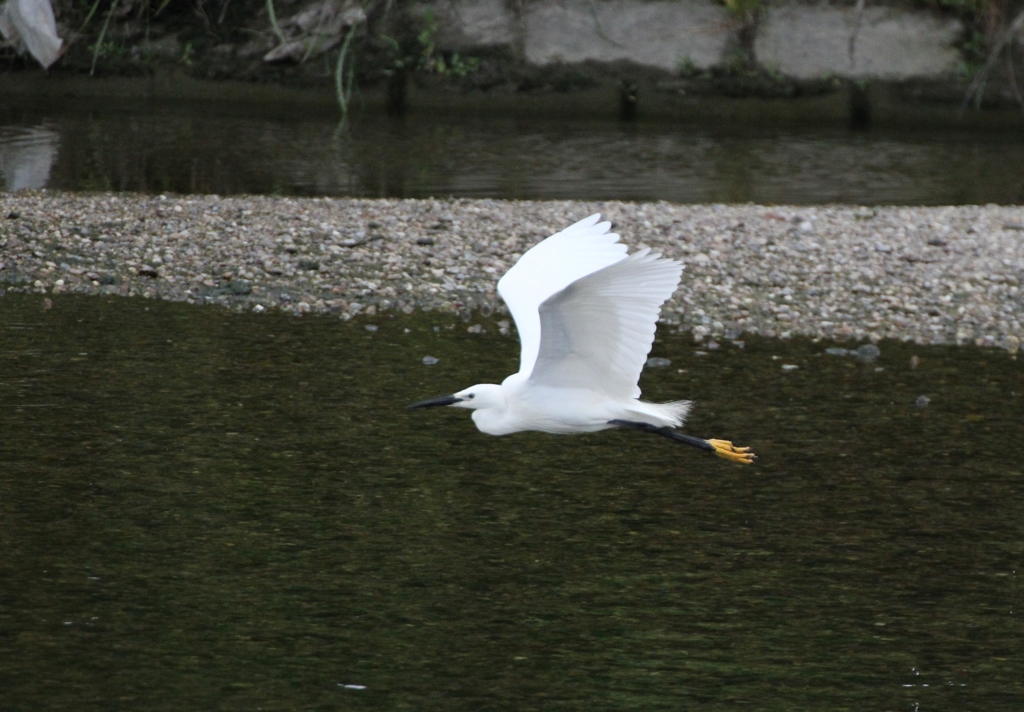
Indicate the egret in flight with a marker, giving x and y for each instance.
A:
(586, 314)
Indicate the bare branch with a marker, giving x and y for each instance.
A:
(978, 83)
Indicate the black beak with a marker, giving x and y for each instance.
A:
(443, 400)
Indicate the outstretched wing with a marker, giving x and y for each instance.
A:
(550, 266)
(596, 333)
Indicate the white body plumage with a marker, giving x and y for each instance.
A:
(586, 314)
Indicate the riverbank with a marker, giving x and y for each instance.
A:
(931, 275)
(624, 58)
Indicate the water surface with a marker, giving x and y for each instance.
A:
(229, 149)
(206, 510)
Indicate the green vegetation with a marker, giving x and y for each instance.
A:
(744, 10)
(116, 50)
(344, 76)
(686, 66)
(987, 21)
(432, 60)
(424, 55)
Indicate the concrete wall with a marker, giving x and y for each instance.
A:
(473, 24)
(808, 41)
(660, 33)
(800, 40)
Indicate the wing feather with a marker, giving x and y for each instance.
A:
(549, 267)
(596, 333)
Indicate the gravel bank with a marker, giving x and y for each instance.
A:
(934, 275)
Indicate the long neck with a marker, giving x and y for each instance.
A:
(493, 422)
(493, 419)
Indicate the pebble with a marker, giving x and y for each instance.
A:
(932, 275)
(867, 352)
(430, 360)
(657, 362)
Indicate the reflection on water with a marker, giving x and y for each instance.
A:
(27, 155)
(201, 510)
(191, 149)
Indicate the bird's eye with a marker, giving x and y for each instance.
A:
(471, 396)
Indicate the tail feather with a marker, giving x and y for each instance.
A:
(677, 411)
(665, 415)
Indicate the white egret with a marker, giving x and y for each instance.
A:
(586, 314)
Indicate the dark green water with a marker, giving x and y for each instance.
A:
(203, 148)
(205, 510)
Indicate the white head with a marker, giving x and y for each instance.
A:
(481, 396)
(478, 397)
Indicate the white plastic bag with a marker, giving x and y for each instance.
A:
(30, 25)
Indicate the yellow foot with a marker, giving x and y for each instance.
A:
(724, 448)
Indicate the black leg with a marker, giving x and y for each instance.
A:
(722, 448)
(665, 433)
